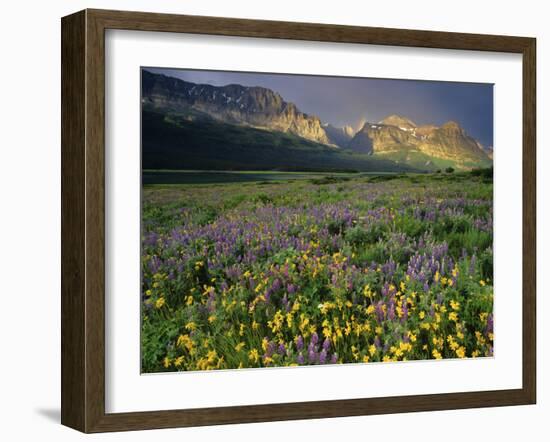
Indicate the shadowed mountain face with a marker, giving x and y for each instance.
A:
(339, 136)
(245, 115)
(235, 104)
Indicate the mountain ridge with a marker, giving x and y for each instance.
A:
(396, 137)
(254, 106)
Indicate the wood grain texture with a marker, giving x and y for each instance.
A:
(83, 220)
(73, 255)
(529, 220)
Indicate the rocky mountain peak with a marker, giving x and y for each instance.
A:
(396, 137)
(250, 106)
(399, 121)
(339, 136)
(452, 126)
(349, 131)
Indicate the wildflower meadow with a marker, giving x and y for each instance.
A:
(349, 268)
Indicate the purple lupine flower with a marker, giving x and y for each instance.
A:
(391, 311)
(379, 312)
(284, 301)
(334, 358)
(405, 311)
(271, 348)
(282, 349)
(300, 359)
(385, 290)
(312, 356)
(299, 343)
(326, 344)
(323, 357)
(314, 338)
(490, 323)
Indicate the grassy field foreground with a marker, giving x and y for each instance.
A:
(317, 271)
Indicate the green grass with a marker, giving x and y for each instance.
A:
(349, 237)
(213, 177)
(172, 142)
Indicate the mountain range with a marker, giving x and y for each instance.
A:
(254, 127)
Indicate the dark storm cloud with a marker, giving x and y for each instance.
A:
(345, 100)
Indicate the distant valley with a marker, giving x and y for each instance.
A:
(198, 126)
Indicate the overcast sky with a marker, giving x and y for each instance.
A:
(346, 100)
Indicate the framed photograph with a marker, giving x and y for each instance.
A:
(267, 221)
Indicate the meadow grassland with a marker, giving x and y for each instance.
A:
(319, 270)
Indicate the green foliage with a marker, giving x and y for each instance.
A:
(331, 179)
(174, 142)
(231, 271)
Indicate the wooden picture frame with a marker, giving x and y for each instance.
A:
(83, 220)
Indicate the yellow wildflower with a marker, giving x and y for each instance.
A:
(211, 356)
(159, 302)
(253, 355)
(185, 341)
(405, 346)
(372, 349)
